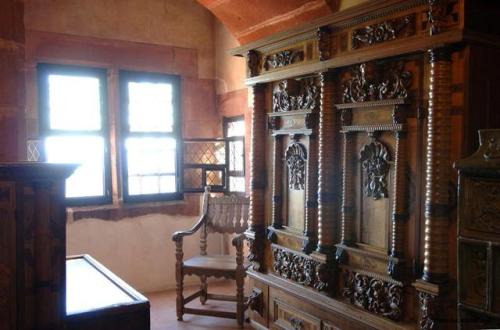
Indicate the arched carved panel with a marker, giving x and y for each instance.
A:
(374, 158)
(296, 158)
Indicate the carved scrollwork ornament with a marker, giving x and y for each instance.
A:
(384, 31)
(305, 98)
(301, 269)
(373, 294)
(374, 158)
(283, 58)
(296, 158)
(393, 84)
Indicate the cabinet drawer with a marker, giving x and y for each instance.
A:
(290, 318)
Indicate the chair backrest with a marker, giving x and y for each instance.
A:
(226, 214)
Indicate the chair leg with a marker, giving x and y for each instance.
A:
(204, 289)
(179, 279)
(240, 299)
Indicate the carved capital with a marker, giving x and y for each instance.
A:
(253, 62)
(323, 35)
(273, 123)
(442, 54)
(255, 241)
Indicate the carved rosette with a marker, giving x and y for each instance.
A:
(306, 98)
(374, 158)
(384, 31)
(283, 58)
(373, 294)
(296, 160)
(393, 83)
(300, 268)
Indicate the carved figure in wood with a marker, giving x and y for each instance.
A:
(393, 83)
(306, 98)
(374, 159)
(296, 158)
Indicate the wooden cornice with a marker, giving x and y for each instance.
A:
(354, 15)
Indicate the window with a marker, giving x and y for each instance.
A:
(73, 124)
(150, 122)
(234, 132)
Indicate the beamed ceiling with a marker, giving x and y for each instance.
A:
(249, 20)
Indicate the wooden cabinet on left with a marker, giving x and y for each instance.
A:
(32, 245)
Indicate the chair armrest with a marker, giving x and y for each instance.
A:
(238, 241)
(178, 235)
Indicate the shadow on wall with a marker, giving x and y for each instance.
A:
(139, 250)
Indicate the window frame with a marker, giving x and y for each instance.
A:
(43, 72)
(126, 76)
(229, 139)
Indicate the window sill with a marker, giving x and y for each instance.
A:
(189, 206)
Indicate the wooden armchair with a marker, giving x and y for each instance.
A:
(227, 214)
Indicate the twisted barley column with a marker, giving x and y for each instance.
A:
(327, 164)
(399, 210)
(257, 159)
(437, 168)
(311, 214)
(347, 217)
(277, 219)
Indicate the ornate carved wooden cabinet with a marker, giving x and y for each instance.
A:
(357, 119)
(32, 245)
(479, 235)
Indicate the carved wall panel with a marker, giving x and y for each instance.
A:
(283, 58)
(298, 267)
(368, 83)
(384, 31)
(292, 94)
(374, 159)
(296, 160)
(374, 294)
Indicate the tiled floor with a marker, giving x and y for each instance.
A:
(163, 315)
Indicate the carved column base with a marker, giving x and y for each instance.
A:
(326, 271)
(309, 243)
(255, 238)
(433, 305)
